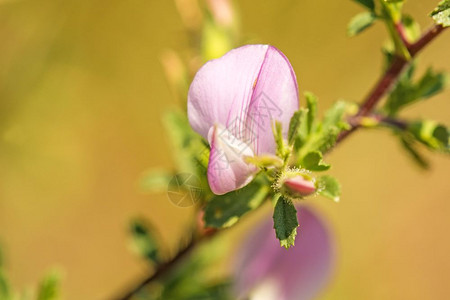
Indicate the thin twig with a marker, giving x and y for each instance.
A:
(390, 77)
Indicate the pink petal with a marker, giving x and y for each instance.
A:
(275, 97)
(300, 185)
(227, 168)
(222, 89)
(298, 273)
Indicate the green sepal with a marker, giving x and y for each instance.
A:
(441, 14)
(265, 161)
(313, 162)
(285, 221)
(223, 211)
(329, 187)
(144, 241)
(360, 22)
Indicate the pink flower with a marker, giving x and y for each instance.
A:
(266, 271)
(233, 102)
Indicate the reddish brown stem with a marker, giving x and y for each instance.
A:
(390, 77)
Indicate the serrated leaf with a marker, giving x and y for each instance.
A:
(144, 241)
(334, 116)
(409, 145)
(223, 211)
(360, 22)
(311, 104)
(329, 187)
(313, 161)
(370, 4)
(431, 134)
(49, 287)
(407, 92)
(294, 125)
(441, 14)
(285, 221)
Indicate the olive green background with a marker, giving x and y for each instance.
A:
(82, 91)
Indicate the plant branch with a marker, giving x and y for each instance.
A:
(167, 266)
(382, 86)
(391, 76)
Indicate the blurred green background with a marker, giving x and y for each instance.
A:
(82, 91)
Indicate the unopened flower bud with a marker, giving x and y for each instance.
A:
(300, 185)
(296, 184)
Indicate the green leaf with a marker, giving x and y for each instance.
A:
(296, 120)
(441, 14)
(155, 181)
(412, 28)
(329, 187)
(285, 221)
(302, 132)
(311, 104)
(410, 146)
(4, 286)
(144, 241)
(313, 161)
(431, 134)
(189, 151)
(407, 92)
(370, 4)
(49, 287)
(278, 136)
(223, 211)
(360, 22)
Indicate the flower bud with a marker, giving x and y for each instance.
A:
(296, 184)
(300, 185)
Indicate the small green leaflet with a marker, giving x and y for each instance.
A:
(313, 162)
(360, 22)
(311, 104)
(441, 14)
(294, 125)
(49, 287)
(431, 134)
(4, 286)
(406, 91)
(329, 187)
(410, 145)
(225, 210)
(144, 241)
(155, 181)
(370, 4)
(285, 221)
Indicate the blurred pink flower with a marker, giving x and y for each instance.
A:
(222, 11)
(266, 271)
(233, 101)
